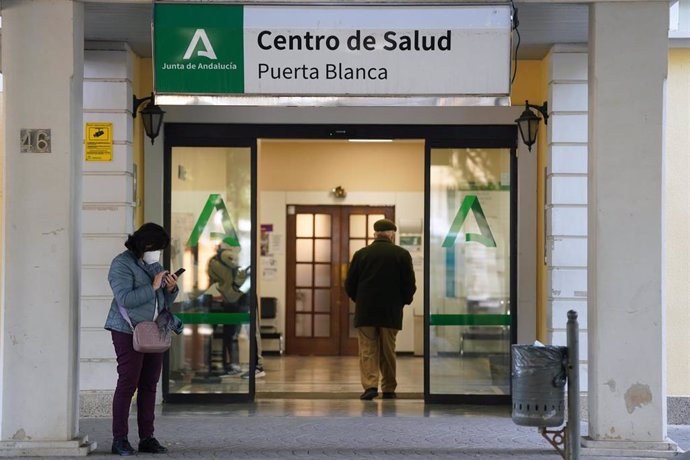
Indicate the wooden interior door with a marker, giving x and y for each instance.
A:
(312, 259)
(320, 243)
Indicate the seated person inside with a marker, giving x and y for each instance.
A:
(224, 270)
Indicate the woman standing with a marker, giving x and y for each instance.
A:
(143, 288)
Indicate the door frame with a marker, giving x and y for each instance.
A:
(178, 134)
(502, 140)
(330, 344)
(183, 138)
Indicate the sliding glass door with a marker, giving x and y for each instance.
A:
(470, 320)
(210, 222)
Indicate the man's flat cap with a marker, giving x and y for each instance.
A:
(384, 225)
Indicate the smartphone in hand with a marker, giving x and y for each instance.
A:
(179, 272)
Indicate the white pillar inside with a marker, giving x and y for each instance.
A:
(628, 54)
(42, 56)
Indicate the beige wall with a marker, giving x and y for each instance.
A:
(323, 165)
(204, 169)
(142, 84)
(531, 85)
(676, 223)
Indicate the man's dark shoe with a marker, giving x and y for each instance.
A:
(152, 446)
(122, 447)
(369, 394)
(389, 395)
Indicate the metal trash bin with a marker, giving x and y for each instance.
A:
(538, 375)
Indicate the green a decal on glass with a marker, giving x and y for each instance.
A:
(229, 236)
(470, 203)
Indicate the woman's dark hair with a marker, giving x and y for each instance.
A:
(149, 237)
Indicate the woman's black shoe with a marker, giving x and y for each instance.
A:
(369, 394)
(152, 446)
(122, 447)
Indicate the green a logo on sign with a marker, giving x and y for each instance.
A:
(470, 203)
(198, 48)
(228, 235)
(200, 35)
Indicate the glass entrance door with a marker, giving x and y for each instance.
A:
(469, 261)
(470, 321)
(210, 221)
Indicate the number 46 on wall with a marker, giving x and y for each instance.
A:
(34, 140)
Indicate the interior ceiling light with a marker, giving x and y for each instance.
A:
(370, 140)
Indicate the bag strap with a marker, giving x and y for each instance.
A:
(125, 315)
(122, 309)
(234, 270)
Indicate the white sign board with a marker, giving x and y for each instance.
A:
(287, 50)
(377, 51)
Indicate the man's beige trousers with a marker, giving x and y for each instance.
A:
(377, 352)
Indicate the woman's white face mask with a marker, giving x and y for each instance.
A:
(151, 257)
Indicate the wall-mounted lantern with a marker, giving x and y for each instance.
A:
(151, 115)
(528, 123)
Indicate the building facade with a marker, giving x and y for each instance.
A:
(601, 218)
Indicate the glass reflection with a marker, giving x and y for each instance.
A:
(210, 216)
(469, 271)
(303, 300)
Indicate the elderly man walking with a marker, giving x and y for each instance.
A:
(381, 282)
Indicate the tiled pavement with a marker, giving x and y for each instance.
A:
(319, 429)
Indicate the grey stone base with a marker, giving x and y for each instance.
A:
(637, 449)
(95, 404)
(78, 447)
(99, 404)
(678, 409)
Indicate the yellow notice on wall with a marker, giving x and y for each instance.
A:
(98, 142)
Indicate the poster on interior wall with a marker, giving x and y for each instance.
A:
(362, 50)
(269, 268)
(266, 230)
(275, 243)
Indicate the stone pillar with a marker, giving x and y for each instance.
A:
(628, 54)
(107, 215)
(566, 197)
(42, 56)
